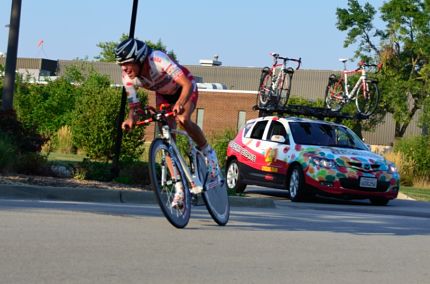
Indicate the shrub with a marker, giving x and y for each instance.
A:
(46, 107)
(8, 153)
(416, 150)
(95, 119)
(31, 163)
(91, 170)
(24, 139)
(404, 165)
(220, 142)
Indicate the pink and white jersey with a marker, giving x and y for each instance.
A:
(163, 72)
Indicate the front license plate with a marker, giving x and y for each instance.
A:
(368, 182)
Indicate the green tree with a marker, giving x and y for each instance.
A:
(403, 47)
(107, 53)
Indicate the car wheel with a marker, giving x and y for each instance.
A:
(296, 183)
(234, 182)
(379, 201)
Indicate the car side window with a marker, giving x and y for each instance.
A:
(258, 130)
(248, 127)
(277, 128)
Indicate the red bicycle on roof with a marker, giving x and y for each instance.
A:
(365, 91)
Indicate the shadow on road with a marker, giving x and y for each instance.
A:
(358, 219)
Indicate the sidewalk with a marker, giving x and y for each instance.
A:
(13, 191)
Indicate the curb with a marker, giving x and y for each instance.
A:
(12, 191)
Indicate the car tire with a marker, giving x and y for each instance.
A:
(296, 183)
(379, 201)
(234, 180)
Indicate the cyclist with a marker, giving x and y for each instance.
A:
(173, 84)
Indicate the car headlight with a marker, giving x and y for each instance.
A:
(392, 168)
(323, 162)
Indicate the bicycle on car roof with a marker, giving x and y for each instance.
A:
(365, 90)
(275, 83)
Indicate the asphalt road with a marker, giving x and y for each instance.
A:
(318, 242)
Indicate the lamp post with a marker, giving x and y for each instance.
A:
(117, 150)
(11, 55)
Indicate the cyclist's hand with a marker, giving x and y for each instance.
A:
(127, 124)
(178, 108)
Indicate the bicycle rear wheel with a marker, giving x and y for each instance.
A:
(265, 89)
(163, 183)
(214, 194)
(367, 104)
(334, 95)
(284, 87)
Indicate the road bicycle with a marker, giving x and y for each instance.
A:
(167, 166)
(365, 91)
(275, 83)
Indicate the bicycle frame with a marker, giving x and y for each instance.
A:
(166, 134)
(360, 82)
(282, 71)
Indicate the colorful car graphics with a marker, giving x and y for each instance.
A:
(333, 170)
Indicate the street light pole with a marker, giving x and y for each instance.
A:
(11, 55)
(117, 150)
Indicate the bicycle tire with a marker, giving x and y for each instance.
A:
(215, 193)
(159, 150)
(264, 89)
(334, 95)
(284, 88)
(367, 105)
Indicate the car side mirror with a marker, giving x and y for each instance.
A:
(278, 138)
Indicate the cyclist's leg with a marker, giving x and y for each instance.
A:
(179, 189)
(197, 135)
(191, 127)
(184, 120)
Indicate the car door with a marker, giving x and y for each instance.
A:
(276, 147)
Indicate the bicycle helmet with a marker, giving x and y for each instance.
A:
(131, 50)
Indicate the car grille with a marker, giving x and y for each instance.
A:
(364, 167)
(355, 184)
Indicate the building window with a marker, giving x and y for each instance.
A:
(241, 119)
(200, 116)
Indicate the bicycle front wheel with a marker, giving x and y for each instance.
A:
(214, 194)
(334, 96)
(164, 169)
(284, 88)
(265, 89)
(367, 98)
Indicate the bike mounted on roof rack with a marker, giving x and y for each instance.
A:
(317, 112)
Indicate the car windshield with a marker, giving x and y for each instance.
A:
(321, 134)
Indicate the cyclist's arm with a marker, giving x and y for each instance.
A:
(133, 102)
(187, 90)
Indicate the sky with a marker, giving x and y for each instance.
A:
(241, 32)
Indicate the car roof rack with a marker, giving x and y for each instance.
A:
(320, 113)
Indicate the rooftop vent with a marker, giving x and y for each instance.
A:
(210, 62)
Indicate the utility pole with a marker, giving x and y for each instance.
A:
(12, 51)
(117, 150)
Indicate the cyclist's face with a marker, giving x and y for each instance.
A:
(131, 69)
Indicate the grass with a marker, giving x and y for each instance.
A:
(417, 193)
(56, 156)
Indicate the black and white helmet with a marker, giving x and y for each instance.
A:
(131, 50)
